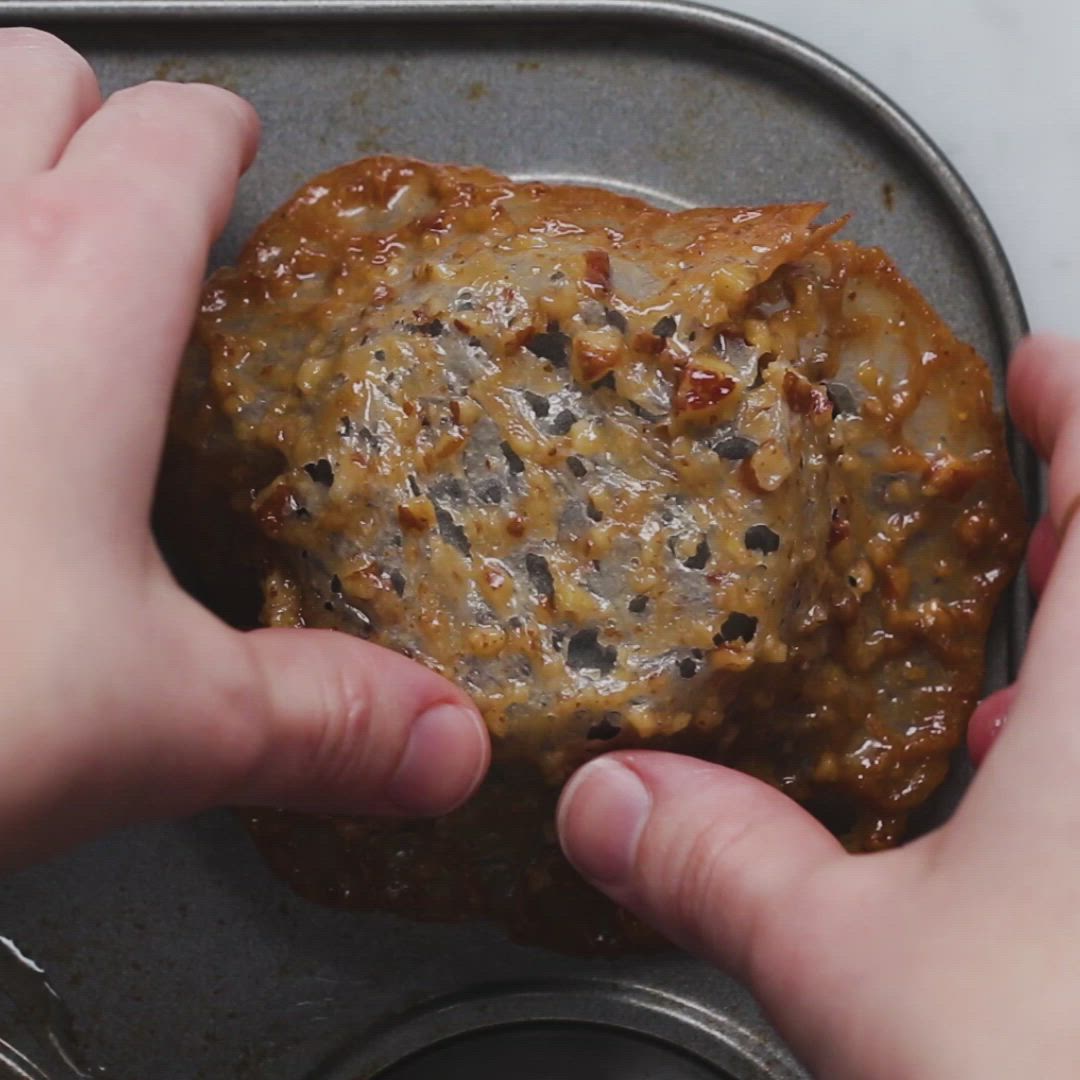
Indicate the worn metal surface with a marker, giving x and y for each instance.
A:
(178, 955)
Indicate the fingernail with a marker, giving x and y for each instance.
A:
(443, 761)
(602, 814)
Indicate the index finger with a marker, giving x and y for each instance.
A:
(117, 236)
(46, 91)
(176, 149)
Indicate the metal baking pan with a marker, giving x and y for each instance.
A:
(175, 952)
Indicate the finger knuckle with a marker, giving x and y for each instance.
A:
(151, 96)
(39, 41)
(159, 120)
(46, 226)
(704, 865)
(343, 728)
(186, 107)
(237, 747)
(705, 902)
(69, 72)
(12, 36)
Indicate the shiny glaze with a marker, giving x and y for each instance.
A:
(709, 480)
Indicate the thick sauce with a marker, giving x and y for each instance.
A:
(709, 480)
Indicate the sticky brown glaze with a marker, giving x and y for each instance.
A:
(710, 481)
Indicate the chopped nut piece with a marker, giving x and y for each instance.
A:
(708, 392)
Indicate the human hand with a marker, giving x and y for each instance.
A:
(955, 956)
(120, 697)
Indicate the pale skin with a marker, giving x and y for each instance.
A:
(121, 697)
(122, 700)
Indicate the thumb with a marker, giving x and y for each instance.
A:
(175, 713)
(724, 865)
(313, 720)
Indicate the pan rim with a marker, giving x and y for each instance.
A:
(612, 1005)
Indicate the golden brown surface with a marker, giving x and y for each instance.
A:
(708, 480)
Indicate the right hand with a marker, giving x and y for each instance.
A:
(956, 956)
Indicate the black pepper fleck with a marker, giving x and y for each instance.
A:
(397, 579)
(452, 532)
(540, 575)
(736, 626)
(688, 667)
(321, 471)
(576, 466)
(563, 422)
(761, 538)
(764, 360)
(335, 585)
(700, 558)
(513, 461)
(664, 327)
(538, 403)
(616, 319)
(638, 604)
(551, 345)
(592, 512)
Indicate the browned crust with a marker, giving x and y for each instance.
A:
(851, 701)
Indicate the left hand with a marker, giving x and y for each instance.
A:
(120, 697)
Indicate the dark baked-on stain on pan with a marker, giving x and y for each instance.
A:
(712, 481)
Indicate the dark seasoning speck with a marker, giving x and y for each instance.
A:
(553, 346)
(737, 626)
(761, 538)
(321, 471)
(563, 422)
(699, 560)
